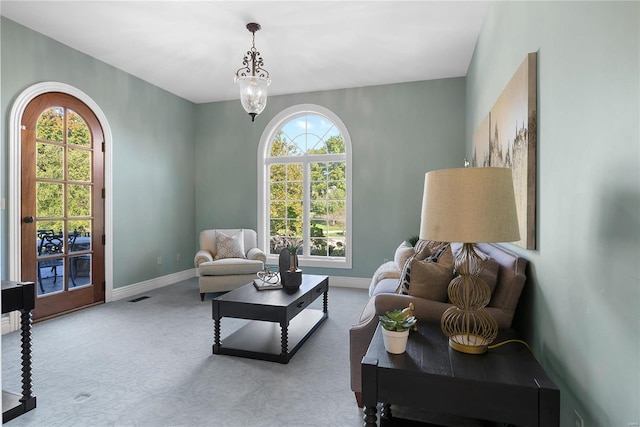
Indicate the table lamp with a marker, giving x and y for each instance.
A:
(469, 205)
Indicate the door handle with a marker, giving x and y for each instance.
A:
(28, 219)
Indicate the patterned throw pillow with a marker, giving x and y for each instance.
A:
(229, 246)
(427, 270)
(429, 280)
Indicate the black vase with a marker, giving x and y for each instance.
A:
(283, 265)
(292, 279)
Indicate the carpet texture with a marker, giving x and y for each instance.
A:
(149, 363)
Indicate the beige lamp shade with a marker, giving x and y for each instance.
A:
(469, 205)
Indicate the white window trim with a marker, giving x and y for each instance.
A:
(263, 182)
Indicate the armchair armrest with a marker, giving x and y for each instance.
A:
(257, 254)
(202, 255)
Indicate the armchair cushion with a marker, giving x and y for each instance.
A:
(229, 246)
(230, 266)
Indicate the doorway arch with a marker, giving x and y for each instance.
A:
(15, 141)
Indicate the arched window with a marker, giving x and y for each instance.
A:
(304, 187)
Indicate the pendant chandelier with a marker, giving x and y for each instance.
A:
(252, 78)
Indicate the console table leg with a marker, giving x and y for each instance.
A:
(370, 419)
(385, 413)
(25, 317)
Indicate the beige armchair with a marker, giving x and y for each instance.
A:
(227, 259)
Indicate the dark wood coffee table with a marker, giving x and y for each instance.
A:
(274, 314)
(506, 384)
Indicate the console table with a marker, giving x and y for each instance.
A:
(506, 384)
(20, 296)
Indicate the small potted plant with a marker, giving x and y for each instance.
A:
(395, 330)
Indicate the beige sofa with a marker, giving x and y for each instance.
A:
(225, 274)
(510, 279)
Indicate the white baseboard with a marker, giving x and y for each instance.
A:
(148, 285)
(349, 282)
(159, 282)
(10, 322)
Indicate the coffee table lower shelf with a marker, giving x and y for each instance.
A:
(263, 340)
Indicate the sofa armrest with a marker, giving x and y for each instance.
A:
(257, 254)
(202, 255)
(359, 338)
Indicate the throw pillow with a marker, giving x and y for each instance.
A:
(428, 280)
(490, 273)
(446, 257)
(428, 248)
(403, 253)
(229, 246)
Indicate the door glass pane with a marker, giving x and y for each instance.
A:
(79, 271)
(80, 235)
(49, 161)
(50, 244)
(49, 200)
(79, 165)
(51, 276)
(50, 125)
(79, 200)
(77, 130)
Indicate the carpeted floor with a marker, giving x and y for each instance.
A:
(149, 363)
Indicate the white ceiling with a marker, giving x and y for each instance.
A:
(193, 48)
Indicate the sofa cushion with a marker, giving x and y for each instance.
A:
(386, 286)
(229, 246)
(230, 266)
(388, 270)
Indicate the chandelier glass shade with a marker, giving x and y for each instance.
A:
(253, 79)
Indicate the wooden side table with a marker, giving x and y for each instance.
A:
(20, 296)
(506, 384)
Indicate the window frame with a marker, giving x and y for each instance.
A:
(267, 137)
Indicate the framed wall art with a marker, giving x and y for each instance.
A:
(512, 140)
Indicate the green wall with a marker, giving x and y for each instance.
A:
(581, 308)
(398, 132)
(153, 151)
(162, 144)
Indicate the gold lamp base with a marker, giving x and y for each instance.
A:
(469, 327)
(469, 344)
